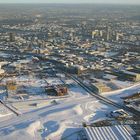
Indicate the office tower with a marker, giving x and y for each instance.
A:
(12, 37)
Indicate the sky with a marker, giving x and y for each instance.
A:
(72, 1)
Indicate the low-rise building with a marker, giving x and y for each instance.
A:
(101, 87)
(120, 132)
(130, 75)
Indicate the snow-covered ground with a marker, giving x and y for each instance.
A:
(116, 95)
(55, 121)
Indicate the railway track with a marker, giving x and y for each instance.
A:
(104, 99)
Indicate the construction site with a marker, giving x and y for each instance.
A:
(29, 84)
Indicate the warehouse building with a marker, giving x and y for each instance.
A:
(128, 75)
(100, 87)
(116, 132)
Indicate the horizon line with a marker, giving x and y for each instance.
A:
(70, 3)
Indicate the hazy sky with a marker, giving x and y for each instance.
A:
(72, 1)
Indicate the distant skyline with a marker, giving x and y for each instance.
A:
(74, 1)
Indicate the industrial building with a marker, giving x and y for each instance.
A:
(101, 87)
(116, 132)
(128, 75)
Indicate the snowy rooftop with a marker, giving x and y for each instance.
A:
(117, 132)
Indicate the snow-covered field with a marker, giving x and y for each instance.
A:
(55, 121)
(116, 95)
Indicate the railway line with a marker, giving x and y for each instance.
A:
(104, 99)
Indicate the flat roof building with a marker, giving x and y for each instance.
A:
(131, 75)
